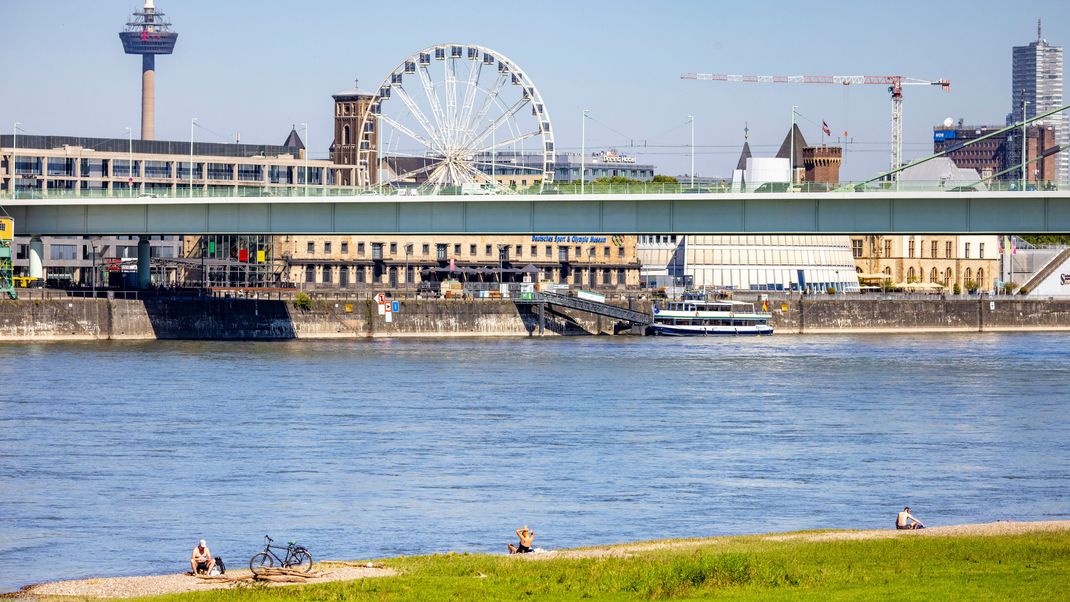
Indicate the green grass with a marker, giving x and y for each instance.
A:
(1032, 566)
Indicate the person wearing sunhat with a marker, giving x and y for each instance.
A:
(201, 559)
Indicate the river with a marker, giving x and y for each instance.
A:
(115, 458)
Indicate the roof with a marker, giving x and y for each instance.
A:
(785, 147)
(940, 169)
(743, 156)
(352, 92)
(293, 140)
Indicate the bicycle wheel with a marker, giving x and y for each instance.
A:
(301, 560)
(259, 562)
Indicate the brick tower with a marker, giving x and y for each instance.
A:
(349, 107)
(822, 164)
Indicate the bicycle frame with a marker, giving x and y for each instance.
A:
(290, 550)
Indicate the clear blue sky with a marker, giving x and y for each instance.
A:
(256, 67)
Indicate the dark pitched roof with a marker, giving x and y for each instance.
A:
(785, 148)
(743, 156)
(293, 140)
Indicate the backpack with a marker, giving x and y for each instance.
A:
(219, 567)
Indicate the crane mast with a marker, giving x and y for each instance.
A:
(895, 85)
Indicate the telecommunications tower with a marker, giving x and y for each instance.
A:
(148, 33)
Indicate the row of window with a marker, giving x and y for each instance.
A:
(442, 250)
(856, 249)
(936, 277)
(345, 275)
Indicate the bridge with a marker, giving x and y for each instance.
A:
(869, 212)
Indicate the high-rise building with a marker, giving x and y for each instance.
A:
(148, 33)
(1037, 79)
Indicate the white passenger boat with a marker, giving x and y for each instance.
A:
(705, 318)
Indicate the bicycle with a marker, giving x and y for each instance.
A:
(297, 557)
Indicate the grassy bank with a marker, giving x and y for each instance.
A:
(1026, 566)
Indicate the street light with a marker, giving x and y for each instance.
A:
(583, 149)
(130, 159)
(14, 160)
(192, 123)
(305, 126)
(691, 120)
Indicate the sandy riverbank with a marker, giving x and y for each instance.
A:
(129, 587)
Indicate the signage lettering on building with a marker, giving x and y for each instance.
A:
(1064, 278)
(567, 238)
(614, 157)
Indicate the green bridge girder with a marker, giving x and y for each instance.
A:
(717, 213)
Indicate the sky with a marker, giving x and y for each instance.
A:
(256, 67)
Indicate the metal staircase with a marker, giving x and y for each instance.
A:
(591, 307)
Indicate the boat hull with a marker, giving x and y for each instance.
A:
(705, 331)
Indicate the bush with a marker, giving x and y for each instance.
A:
(1024, 290)
(302, 301)
(1009, 288)
(831, 290)
(956, 289)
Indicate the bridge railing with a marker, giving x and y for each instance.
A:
(220, 191)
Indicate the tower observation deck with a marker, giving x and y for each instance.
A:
(148, 33)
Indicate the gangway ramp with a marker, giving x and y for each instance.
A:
(591, 307)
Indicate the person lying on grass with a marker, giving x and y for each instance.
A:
(527, 536)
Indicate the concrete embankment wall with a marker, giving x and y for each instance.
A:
(100, 319)
(928, 315)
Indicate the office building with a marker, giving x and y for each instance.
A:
(997, 157)
(1037, 79)
(969, 262)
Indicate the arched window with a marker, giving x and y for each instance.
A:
(968, 276)
(947, 277)
(888, 271)
(345, 134)
(980, 277)
(911, 276)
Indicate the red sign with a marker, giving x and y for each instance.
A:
(243, 255)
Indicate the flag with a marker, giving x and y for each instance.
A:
(825, 128)
(453, 265)
(1014, 247)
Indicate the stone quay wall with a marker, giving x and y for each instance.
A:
(244, 319)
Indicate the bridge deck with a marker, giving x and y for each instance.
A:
(718, 213)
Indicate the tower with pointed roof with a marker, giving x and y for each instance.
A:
(349, 109)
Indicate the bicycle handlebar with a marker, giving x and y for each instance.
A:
(269, 540)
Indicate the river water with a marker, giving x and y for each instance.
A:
(116, 457)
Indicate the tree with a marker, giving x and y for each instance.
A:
(662, 179)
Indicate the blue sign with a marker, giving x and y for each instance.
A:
(394, 306)
(939, 135)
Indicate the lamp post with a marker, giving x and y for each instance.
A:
(1025, 107)
(305, 126)
(14, 160)
(130, 159)
(691, 120)
(583, 149)
(791, 161)
(192, 123)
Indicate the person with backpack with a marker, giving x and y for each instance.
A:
(201, 559)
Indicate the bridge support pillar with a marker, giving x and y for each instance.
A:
(37, 250)
(144, 265)
(542, 318)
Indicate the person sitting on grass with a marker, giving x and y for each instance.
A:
(201, 559)
(906, 520)
(526, 537)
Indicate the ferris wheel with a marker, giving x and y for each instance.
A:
(454, 116)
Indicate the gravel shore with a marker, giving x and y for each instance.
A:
(130, 587)
(153, 585)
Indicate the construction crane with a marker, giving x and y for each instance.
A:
(895, 85)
